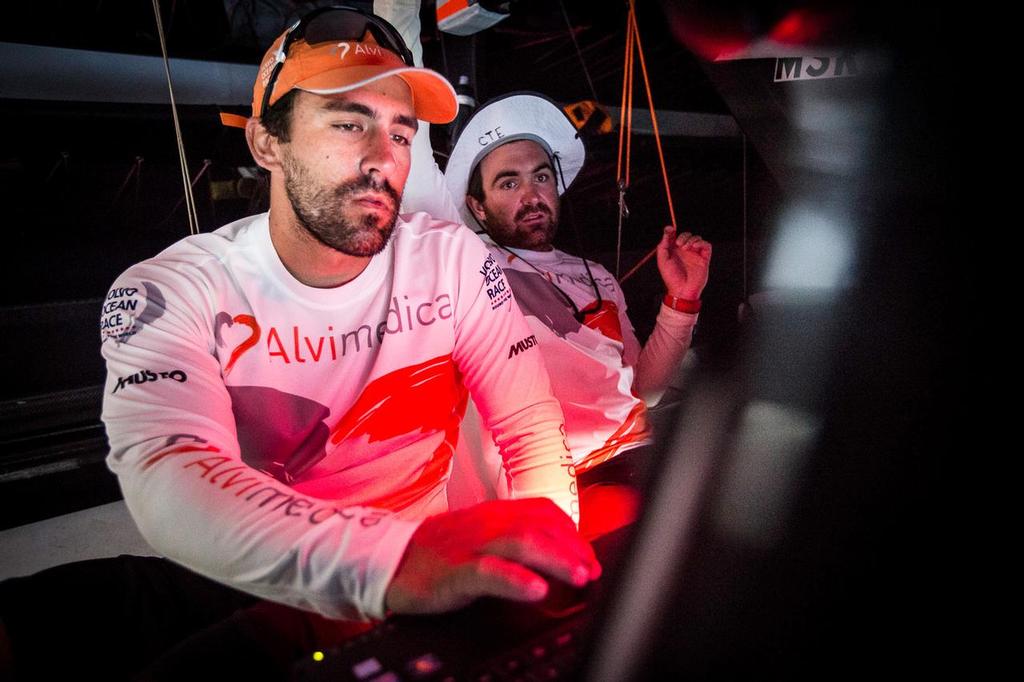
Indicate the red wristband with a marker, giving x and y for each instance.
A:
(683, 305)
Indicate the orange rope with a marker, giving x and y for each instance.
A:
(643, 261)
(654, 118)
(627, 74)
(633, 31)
(631, 25)
(625, 135)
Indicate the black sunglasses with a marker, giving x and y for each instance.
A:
(337, 23)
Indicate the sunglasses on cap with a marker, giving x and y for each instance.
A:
(336, 23)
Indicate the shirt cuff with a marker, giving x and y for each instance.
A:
(383, 564)
(676, 322)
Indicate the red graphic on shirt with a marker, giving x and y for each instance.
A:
(605, 320)
(250, 322)
(180, 450)
(633, 428)
(426, 397)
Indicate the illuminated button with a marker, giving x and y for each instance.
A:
(364, 669)
(563, 639)
(538, 651)
(425, 665)
(318, 656)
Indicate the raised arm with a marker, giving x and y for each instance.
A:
(683, 262)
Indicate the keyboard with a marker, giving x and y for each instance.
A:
(491, 640)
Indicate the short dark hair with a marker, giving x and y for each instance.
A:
(475, 188)
(278, 118)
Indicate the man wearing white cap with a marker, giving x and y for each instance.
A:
(513, 160)
(283, 394)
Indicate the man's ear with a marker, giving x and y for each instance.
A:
(265, 148)
(477, 209)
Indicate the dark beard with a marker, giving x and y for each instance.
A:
(508, 234)
(539, 207)
(321, 211)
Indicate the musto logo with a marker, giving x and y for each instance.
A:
(522, 346)
(146, 376)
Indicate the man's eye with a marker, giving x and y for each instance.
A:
(348, 127)
(543, 177)
(508, 184)
(401, 140)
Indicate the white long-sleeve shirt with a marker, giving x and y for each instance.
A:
(603, 381)
(286, 440)
(599, 373)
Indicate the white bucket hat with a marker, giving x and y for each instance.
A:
(516, 116)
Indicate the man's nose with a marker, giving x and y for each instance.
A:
(531, 195)
(378, 159)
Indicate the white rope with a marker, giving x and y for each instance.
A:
(190, 203)
(572, 34)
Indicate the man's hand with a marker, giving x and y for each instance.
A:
(683, 263)
(495, 549)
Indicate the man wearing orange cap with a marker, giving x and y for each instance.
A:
(284, 394)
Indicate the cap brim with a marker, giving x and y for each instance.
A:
(233, 120)
(432, 95)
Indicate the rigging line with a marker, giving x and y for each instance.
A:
(657, 142)
(618, 239)
(625, 137)
(62, 162)
(631, 70)
(643, 261)
(622, 109)
(626, 111)
(629, 92)
(182, 159)
(654, 117)
(193, 219)
(206, 165)
(133, 172)
(572, 34)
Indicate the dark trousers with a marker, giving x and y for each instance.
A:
(144, 618)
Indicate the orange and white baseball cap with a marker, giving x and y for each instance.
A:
(335, 49)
